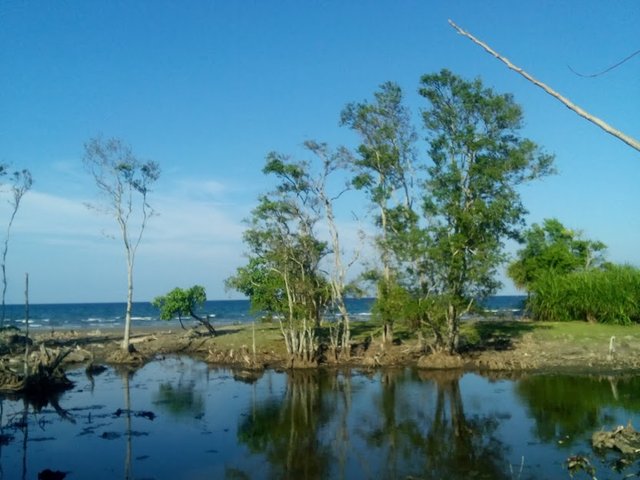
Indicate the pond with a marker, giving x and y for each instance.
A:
(178, 418)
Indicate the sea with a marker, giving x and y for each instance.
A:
(220, 312)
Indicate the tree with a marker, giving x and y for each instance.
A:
(283, 274)
(471, 197)
(20, 183)
(551, 247)
(385, 170)
(330, 162)
(123, 181)
(179, 302)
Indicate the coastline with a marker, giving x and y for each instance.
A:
(507, 346)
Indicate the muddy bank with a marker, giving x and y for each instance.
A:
(233, 347)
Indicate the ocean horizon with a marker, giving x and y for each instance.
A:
(101, 315)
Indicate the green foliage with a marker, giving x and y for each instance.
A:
(553, 248)
(263, 286)
(385, 169)
(179, 303)
(282, 276)
(608, 295)
(471, 195)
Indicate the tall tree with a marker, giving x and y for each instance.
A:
(123, 181)
(471, 197)
(329, 163)
(385, 170)
(283, 274)
(20, 182)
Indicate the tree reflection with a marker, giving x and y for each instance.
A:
(33, 404)
(287, 431)
(126, 375)
(567, 407)
(434, 438)
(412, 427)
(180, 400)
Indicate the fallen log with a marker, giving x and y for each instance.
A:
(626, 440)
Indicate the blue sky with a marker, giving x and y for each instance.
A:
(208, 88)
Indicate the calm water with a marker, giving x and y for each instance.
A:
(111, 315)
(179, 419)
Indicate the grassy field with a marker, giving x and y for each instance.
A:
(478, 335)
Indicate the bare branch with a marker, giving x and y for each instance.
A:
(632, 142)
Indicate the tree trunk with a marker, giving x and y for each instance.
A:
(204, 321)
(387, 333)
(453, 330)
(126, 346)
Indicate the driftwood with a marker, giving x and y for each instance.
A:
(626, 440)
(44, 373)
(632, 142)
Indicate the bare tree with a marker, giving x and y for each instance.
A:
(632, 142)
(123, 181)
(330, 162)
(20, 183)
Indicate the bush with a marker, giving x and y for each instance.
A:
(609, 295)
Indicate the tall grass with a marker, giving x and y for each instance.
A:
(610, 295)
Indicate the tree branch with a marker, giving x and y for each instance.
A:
(632, 142)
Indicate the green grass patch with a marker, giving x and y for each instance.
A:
(500, 335)
(479, 335)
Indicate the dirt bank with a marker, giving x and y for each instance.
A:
(507, 346)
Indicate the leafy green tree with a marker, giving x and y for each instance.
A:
(284, 258)
(124, 182)
(385, 169)
(179, 303)
(471, 197)
(553, 248)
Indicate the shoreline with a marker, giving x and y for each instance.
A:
(510, 346)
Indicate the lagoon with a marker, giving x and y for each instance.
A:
(177, 418)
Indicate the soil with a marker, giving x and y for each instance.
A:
(526, 352)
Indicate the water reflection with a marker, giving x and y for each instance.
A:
(426, 433)
(287, 430)
(199, 422)
(567, 407)
(18, 423)
(308, 432)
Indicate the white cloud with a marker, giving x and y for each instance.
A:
(65, 245)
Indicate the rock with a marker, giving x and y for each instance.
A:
(78, 355)
(48, 474)
(93, 369)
